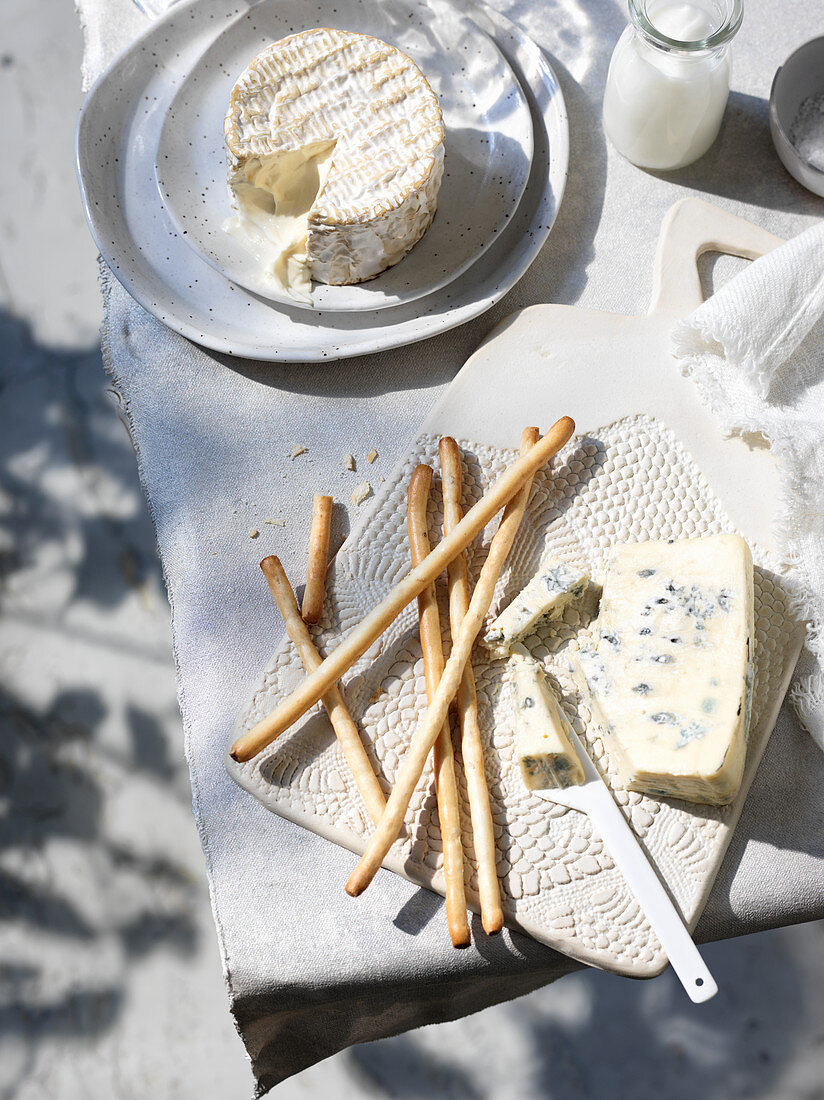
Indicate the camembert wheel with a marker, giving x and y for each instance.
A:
(335, 144)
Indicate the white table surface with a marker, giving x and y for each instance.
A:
(214, 439)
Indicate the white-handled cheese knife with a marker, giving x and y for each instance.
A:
(594, 798)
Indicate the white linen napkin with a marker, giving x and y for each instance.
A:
(756, 352)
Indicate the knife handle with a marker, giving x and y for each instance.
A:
(651, 894)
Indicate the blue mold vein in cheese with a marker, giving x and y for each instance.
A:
(542, 730)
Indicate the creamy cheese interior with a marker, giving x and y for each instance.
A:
(273, 198)
(672, 672)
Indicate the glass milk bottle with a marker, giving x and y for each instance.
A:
(669, 79)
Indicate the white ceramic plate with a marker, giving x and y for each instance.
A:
(488, 145)
(117, 137)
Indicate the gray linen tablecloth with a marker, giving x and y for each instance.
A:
(308, 971)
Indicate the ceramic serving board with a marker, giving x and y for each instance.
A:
(647, 461)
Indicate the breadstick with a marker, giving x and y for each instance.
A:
(492, 916)
(318, 559)
(362, 636)
(342, 722)
(446, 787)
(392, 821)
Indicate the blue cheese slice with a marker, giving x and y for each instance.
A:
(542, 730)
(671, 676)
(545, 597)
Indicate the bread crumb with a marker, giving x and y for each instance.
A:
(275, 522)
(361, 492)
(370, 458)
(253, 534)
(299, 449)
(349, 462)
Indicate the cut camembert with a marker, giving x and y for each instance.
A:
(335, 144)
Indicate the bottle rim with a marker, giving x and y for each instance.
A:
(733, 14)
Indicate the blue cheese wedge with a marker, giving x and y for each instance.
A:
(671, 675)
(545, 597)
(542, 735)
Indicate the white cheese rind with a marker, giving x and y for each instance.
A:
(375, 104)
(671, 677)
(554, 586)
(542, 730)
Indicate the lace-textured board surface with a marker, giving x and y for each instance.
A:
(629, 481)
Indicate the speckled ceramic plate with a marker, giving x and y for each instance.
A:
(488, 146)
(117, 138)
(649, 462)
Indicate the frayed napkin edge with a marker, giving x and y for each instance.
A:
(705, 356)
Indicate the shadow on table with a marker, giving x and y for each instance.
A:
(418, 911)
(742, 164)
(78, 903)
(597, 1035)
(68, 469)
(53, 807)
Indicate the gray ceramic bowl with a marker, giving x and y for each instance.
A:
(801, 75)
